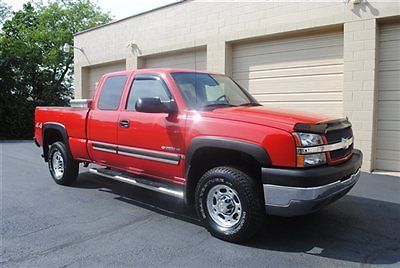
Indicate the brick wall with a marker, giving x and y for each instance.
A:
(216, 25)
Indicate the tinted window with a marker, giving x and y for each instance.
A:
(147, 88)
(111, 92)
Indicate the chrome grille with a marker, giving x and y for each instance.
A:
(335, 136)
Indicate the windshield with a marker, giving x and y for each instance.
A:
(202, 91)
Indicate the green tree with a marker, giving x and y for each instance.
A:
(5, 11)
(34, 70)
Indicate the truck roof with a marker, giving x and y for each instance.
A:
(159, 71)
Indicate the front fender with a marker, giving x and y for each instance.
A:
(252, 149)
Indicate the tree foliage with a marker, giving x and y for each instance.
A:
(5, 11)
(34, 69)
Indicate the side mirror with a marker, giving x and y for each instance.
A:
(154, 105)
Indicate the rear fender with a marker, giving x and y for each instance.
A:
(60, 128)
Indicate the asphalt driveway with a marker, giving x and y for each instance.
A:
(101, 223)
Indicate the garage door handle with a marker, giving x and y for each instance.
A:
(124, 123)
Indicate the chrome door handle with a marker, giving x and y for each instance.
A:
(124, 123)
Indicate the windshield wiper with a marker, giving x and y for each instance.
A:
(217, 105)
(250, 104)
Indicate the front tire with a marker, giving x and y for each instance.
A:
(63, 168)
(230, 204)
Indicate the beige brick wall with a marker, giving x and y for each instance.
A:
(217, 24)
(360, 38)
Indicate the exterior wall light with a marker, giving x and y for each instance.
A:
(134, 48)
(67, 48)
(354, 2)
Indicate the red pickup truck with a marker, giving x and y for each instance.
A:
(203, 138)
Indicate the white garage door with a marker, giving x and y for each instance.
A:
(388, 138)
(303, 72)
(95, 73)
(193, 59)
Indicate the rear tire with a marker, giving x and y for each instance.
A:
(63, 168)
(230, 204)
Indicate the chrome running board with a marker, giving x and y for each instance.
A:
(148, 184)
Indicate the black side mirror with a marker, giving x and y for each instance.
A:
(154, 105)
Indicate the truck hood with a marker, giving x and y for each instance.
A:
(273, 117)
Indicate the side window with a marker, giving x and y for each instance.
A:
(110, 95)
(146, 88)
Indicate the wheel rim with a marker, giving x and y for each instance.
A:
(224, 206)
(57, 163)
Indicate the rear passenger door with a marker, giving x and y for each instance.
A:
(151, 143)
(102, 124)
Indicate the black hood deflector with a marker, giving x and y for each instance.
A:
(323, 127)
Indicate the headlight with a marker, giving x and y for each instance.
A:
(309, 140)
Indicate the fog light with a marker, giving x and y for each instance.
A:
(314, 159)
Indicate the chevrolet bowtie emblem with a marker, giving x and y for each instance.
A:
(346, 143)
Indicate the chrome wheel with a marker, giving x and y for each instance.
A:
(223, 205)
(57, 163)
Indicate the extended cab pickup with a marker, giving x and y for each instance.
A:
(202, 138)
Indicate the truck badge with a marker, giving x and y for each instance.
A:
(346, 143)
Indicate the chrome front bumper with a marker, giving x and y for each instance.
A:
(293, 201)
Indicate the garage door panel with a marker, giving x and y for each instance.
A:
(253, 67)
(390, 165)
(275, 46)
(293, 71)
(286, 60)
(178, 60)
(201, 65)
(329, 52)
(296, 97)
(389, 65)
(390, 49)
(284, 50)
(390, 43)
(389, 125)
(388, 112)
(303, 73)
(196, 60)
(389, 78)
(388, 85)
(389, 33)
(294, 84)
(388, 140)
(96, 72)
(389, 95)
(392, 155)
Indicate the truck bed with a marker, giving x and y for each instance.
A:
(74, 121)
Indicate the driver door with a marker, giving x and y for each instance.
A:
(151, 143)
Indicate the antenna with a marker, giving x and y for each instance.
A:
(195, 68)
(195, 56)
